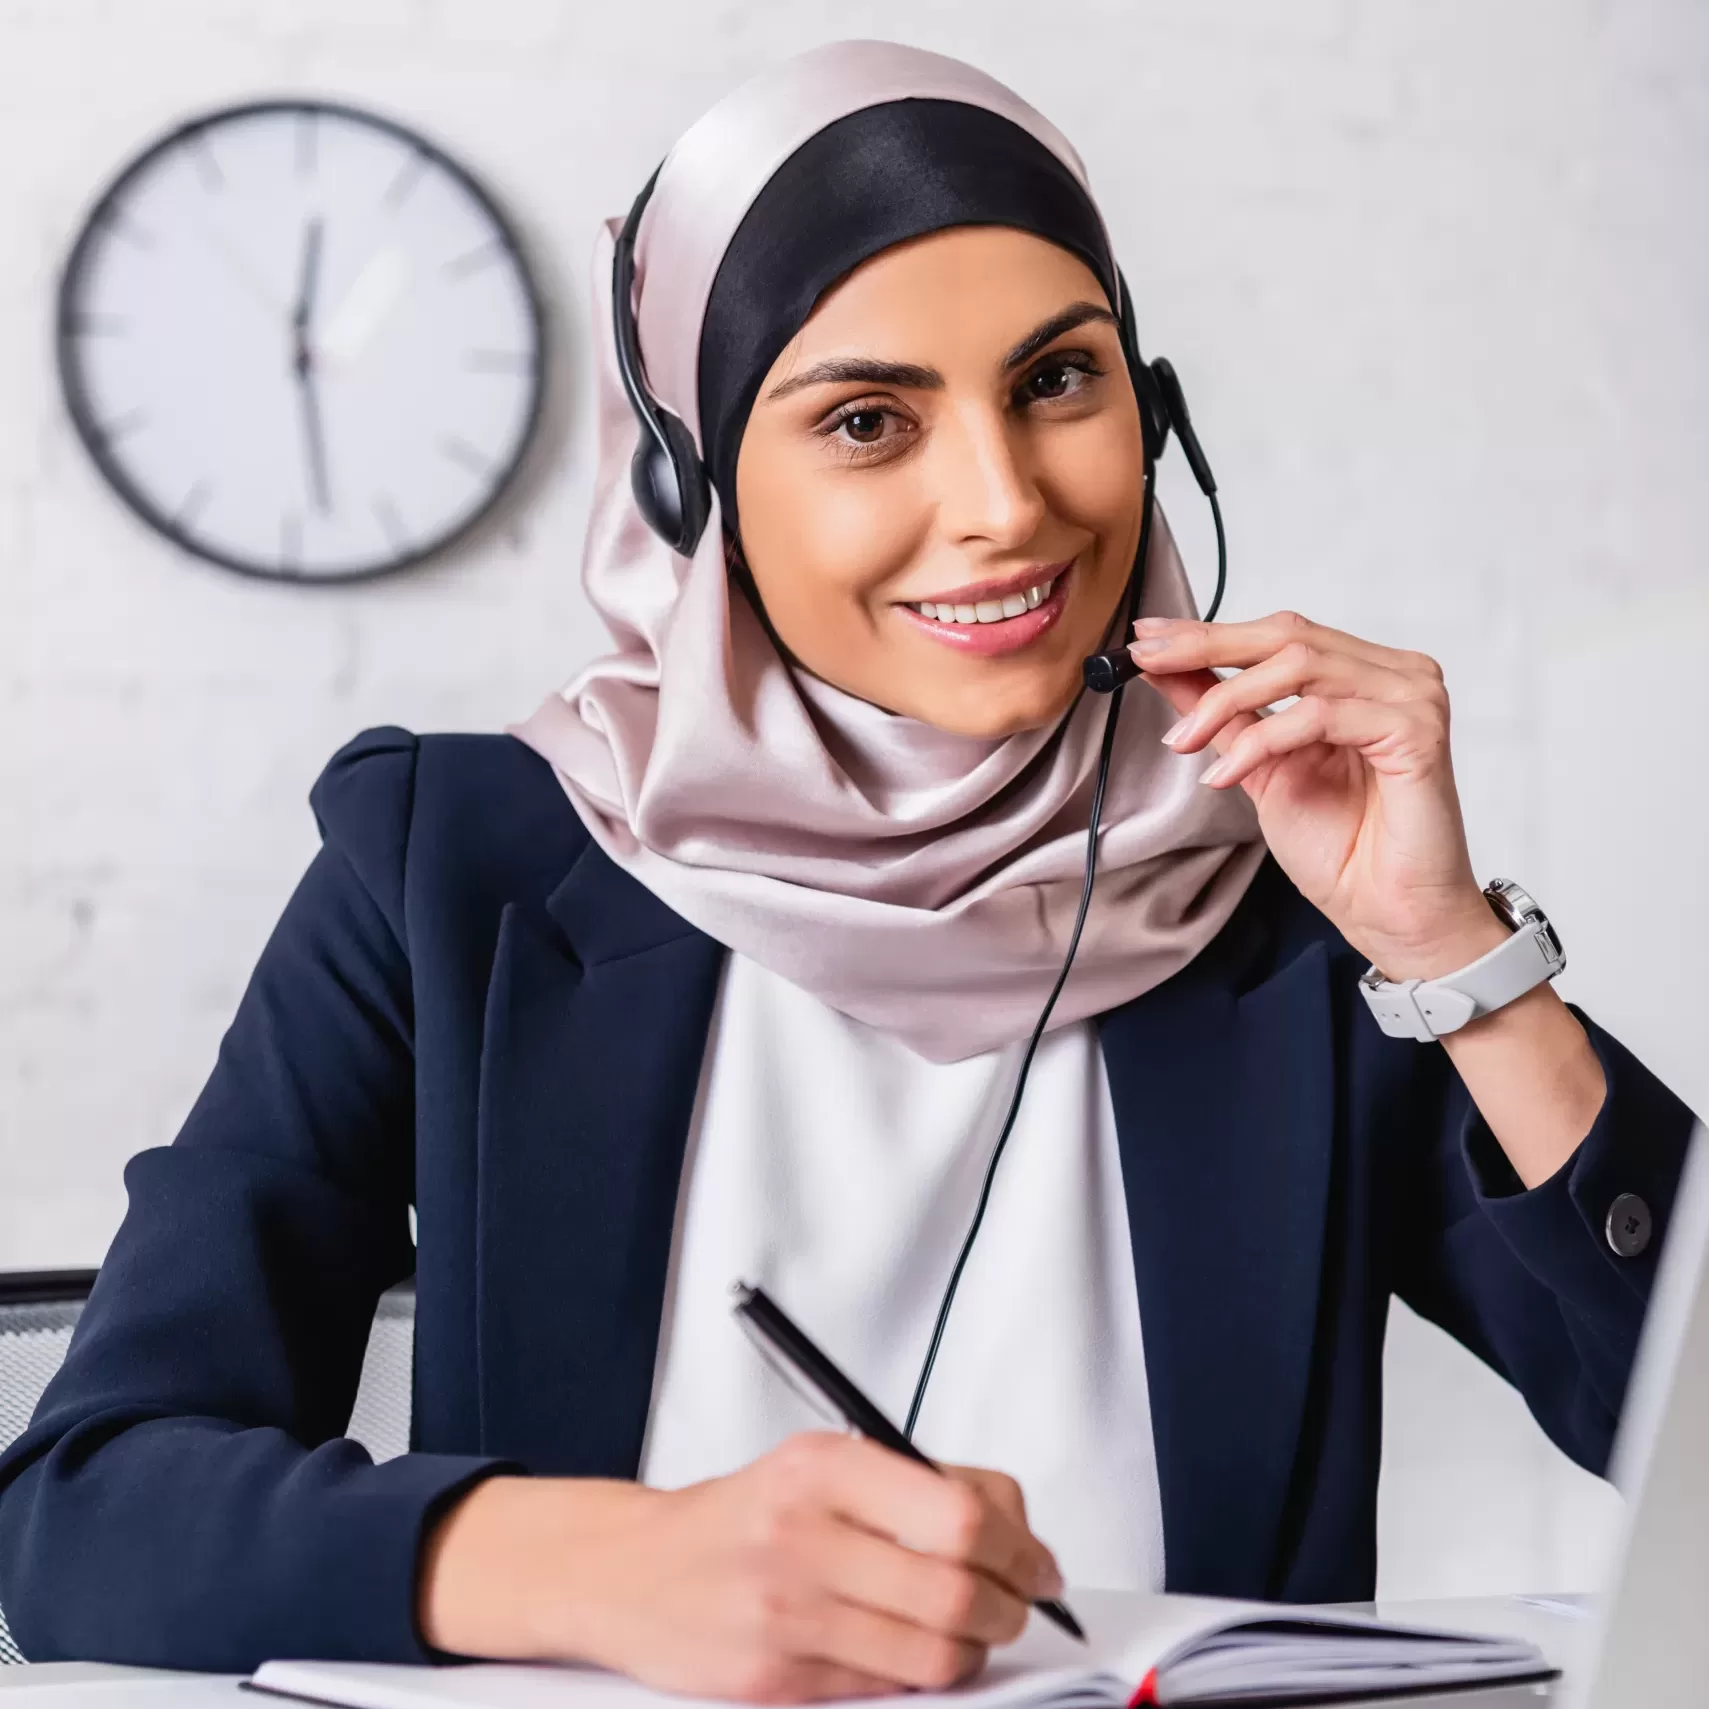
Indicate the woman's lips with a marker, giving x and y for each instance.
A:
(1006, 635)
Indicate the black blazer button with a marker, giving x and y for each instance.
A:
(1628, 1225)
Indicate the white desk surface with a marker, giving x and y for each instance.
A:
(96, 1685)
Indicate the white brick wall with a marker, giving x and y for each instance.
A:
(1435, 273)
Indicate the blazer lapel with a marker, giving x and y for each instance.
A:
(596, 1021)
(1224, 1105)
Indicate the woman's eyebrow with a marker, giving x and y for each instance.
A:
(842, 370)
(868, 371)
(1076, 314)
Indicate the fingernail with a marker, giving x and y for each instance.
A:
(1047, 1581)
(1156, 644)
(1152, 625)
(1176, 731)
(1216, 773)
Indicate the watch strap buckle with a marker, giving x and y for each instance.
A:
(1402, 1013)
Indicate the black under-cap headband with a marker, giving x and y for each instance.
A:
(870, 180)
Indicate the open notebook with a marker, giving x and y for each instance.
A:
(1139, 1650)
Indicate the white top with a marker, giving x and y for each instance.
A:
(838, 1170)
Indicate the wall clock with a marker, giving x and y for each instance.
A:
(300, 341)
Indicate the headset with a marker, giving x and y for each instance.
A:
(673, 492)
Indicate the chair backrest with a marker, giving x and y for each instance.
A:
(38, 1312)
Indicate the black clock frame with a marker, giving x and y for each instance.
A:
(68, 338)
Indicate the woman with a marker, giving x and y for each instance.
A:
(723, 970)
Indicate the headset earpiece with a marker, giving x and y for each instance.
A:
(670, 486)
(666, 474)
(1175, 408)
(653, 482)
(1162, 403)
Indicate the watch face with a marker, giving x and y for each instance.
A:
(1517, 909)
(301, 342)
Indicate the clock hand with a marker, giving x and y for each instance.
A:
(308, 277)
(314, 445)
(303, 365)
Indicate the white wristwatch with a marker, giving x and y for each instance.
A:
(1425, 1009)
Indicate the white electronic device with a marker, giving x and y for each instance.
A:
(1652, 1647)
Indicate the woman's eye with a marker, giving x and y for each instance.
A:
(1056, 380)
(865, 426)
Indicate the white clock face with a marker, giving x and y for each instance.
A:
(300, 342)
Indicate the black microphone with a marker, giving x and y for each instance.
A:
(1105, 672)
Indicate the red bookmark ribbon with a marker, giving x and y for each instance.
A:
(1146, 1696)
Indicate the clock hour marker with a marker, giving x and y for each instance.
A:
(409, 175)
(123, 426)
(466, 456)
(391, 524)
(308, 142)
(499, 362)
(195, 502)
(494, 249)
(208, 167)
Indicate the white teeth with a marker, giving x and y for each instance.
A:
(989, 610)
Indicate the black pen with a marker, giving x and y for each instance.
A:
(825, 1388)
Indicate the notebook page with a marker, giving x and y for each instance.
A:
(1006, 1684)
(481, 1685)
(1208, 1646)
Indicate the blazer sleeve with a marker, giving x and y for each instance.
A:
(1529, 1280)
(185, 1494)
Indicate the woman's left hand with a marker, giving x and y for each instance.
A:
(1353, 783)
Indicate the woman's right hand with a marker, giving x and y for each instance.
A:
(828, 1568)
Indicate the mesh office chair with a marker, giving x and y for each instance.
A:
(38, 1311)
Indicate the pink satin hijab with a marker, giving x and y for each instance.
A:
(921, 882)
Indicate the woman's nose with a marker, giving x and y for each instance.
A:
(985, 491)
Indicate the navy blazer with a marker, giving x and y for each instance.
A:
(468, 1008)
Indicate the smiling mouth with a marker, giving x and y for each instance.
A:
(1000, 623)
(1016, 604)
